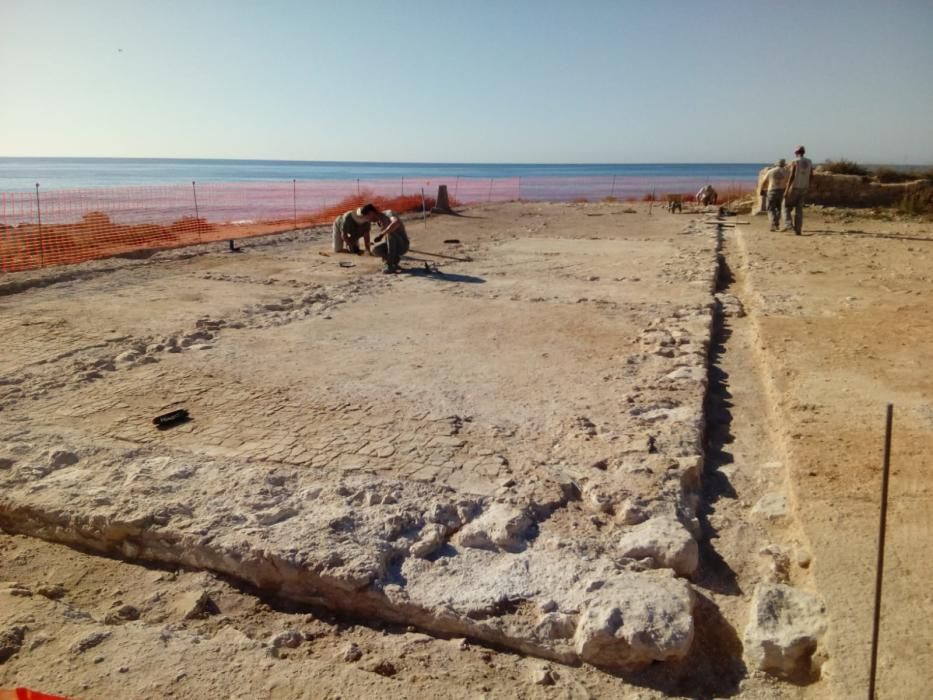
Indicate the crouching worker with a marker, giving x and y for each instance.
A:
(350, 226)
(394, 240)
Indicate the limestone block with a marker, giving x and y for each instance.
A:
(666, 541)
(501, 526)
(628, 625)
(785, 629)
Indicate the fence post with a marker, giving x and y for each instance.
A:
(39, 215)
(197, 214)
(295, 201)
(424, 209)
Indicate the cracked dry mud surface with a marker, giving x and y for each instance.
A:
(448, 485)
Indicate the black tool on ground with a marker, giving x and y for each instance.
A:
(167, 420)
(453, 241)
(233, 248)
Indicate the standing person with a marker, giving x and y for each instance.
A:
(350, 226)
(798, 182)
(774, 184)
(395, 239)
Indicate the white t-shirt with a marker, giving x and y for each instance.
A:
(802, 173)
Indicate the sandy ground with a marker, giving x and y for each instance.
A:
(526, 342)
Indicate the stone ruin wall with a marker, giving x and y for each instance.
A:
(832, 190)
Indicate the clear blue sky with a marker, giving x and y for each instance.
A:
(468, 80)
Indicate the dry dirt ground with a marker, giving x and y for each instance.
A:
(544, 368)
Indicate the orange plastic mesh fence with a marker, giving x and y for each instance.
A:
(41, 228)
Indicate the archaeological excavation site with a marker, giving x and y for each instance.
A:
(572, 450)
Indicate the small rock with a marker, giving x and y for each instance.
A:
(803, 558)
(125, 613)
(6, 463)
(384, 668)
(543, 675)
(195, 605)
(772, 506)
(776, 564)
(62, 458)
(11, 639)
(351, 653)
(127, 356)
(88, 641)
(433, 537)
(553, 626)
(547, 606)
(289, 639)
(500, 526)
(52, 591)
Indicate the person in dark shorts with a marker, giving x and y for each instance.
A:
(394, 243)
(350, 226)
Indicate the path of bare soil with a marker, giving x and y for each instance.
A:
(549, 385)
(843, 326)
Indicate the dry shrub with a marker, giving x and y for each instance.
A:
(649, 197)
(890, 175)
(916, 201)
(581, 200)
(734, 192)
(609, 200)
(844, 167)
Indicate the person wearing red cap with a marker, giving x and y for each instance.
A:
(798, 182)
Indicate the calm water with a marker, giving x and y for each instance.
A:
(22, 174)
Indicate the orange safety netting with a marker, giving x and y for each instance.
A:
(27, 694)
(42, 228)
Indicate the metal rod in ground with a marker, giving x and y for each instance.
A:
(39, 215)
(197, 214)
(295, 201)
(357, 187)
(424, 209)
(489, 198)
(879, 570)
(440, 255)
(612, 190)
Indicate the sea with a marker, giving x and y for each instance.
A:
(22, 174)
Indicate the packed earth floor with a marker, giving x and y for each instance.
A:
(574, 450)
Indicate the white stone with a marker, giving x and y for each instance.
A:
(500, 526)
(784, 630)
(625, 626)
(666, 541)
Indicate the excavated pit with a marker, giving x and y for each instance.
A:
(510, 450)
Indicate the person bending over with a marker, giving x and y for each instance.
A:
(392, 241)
(350, 226)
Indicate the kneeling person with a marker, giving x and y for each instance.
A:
(395, 239)
(350, 226)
